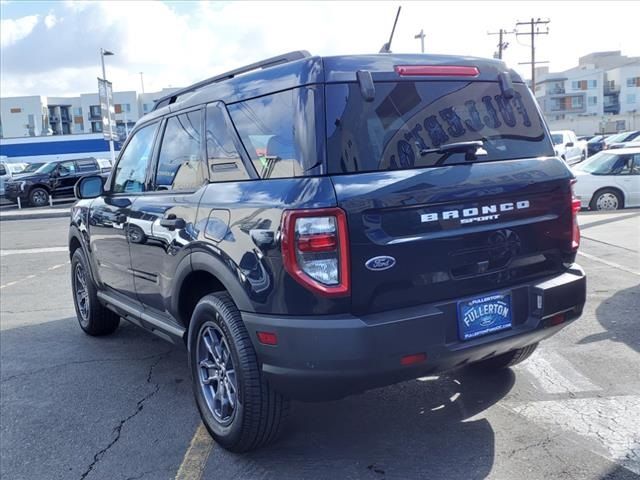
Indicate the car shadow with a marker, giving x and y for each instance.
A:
(417, 429)
(618, 315)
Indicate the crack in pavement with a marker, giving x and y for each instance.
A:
(80, 362)
(118, 429)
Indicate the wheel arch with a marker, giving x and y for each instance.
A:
(201, 274)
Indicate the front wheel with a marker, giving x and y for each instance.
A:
(39, 197)
(239, 408)
(94, 318)
(508, 359)
(606, 199)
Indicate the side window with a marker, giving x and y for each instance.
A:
(131, 170)
(627, 165)
(180, 163)
(223, 159)
(86, 165)
(279, 132)
(66, 168)
(635, 170)
(3, 171)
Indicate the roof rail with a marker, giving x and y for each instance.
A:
(269, 62)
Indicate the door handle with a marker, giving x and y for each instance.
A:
(171, 222)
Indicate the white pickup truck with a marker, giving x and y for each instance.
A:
(568, 147)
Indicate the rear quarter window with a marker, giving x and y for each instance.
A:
(405, 118)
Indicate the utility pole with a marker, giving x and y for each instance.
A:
(533, 23)
(104, 53)
(501, 44)
(142, 81)
(421, 36)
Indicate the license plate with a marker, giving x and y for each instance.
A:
(483, 315)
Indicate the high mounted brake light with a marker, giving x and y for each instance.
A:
(437, 70)
(315, 249)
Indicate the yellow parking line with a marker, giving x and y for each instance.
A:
(195, 459)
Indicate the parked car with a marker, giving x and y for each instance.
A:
(8, 171)
(595, 145)
(609, 180)
(568, 147)
(52, 179)
(625, 141)
(586, 138)
(315, 227)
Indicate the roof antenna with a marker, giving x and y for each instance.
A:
(386, 48)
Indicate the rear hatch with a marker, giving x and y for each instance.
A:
(428, 225)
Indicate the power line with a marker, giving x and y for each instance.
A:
(501, 44)
(534, 31)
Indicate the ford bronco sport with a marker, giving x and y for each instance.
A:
(315, 227)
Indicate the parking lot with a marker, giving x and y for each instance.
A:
(121, 407)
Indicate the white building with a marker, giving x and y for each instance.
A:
(37, 115)
(601, 94)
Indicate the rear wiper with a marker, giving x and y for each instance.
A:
(464, 147)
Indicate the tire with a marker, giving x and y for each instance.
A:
(607, 199)
(38, 197)
(506, 360)
(94, 318)
(259, 414)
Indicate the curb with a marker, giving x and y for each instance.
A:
(39, 215)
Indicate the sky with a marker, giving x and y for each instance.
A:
(52, 48)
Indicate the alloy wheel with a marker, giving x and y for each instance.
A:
(216, 373)
(81, 293)
(607, 201)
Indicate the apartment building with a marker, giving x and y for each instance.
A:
(601, 94)
(37, 115)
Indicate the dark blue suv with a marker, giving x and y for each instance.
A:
(314, 227)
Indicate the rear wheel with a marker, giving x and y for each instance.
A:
(606, 199)
(94, 318)
(39, 197)
(508, 359)
(239, 408)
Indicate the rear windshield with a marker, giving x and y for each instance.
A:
(408, 118)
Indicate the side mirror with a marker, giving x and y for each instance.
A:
(569, 144)
(89, 187)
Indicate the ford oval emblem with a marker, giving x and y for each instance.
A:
(377, 264)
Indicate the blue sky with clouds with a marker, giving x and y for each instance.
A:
(51, 48)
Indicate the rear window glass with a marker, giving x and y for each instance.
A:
(407, 118)
(279, 132)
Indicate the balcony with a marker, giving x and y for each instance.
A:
(612, 107)
(557, 91)
(611, 89)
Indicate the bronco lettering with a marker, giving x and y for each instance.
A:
(470, 215)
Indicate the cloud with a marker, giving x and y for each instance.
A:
(178, 43)
(12, 31)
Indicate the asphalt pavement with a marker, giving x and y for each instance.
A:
(121, 407)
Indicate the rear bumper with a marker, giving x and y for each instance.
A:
(329, 357)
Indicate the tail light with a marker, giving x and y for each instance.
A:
(315, 249)
(575, 228)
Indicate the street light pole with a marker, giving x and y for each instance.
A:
(421, 36)
(112, 149)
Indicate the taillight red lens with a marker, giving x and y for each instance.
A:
(267, 338)
(437, 70)
(315, 249)
(575, 228)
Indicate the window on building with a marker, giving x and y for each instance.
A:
(631, 98)
(96, 127)
(223, 159)
(633, 82)
(131, 170)
(145, 107)
(95, 111)
(576, 102)
(180, 163)
(593, 84)
(575, 85)
(593, 101)
(77, 111)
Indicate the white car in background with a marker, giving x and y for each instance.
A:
(8, 171)
(609, 180)
(568, 147)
